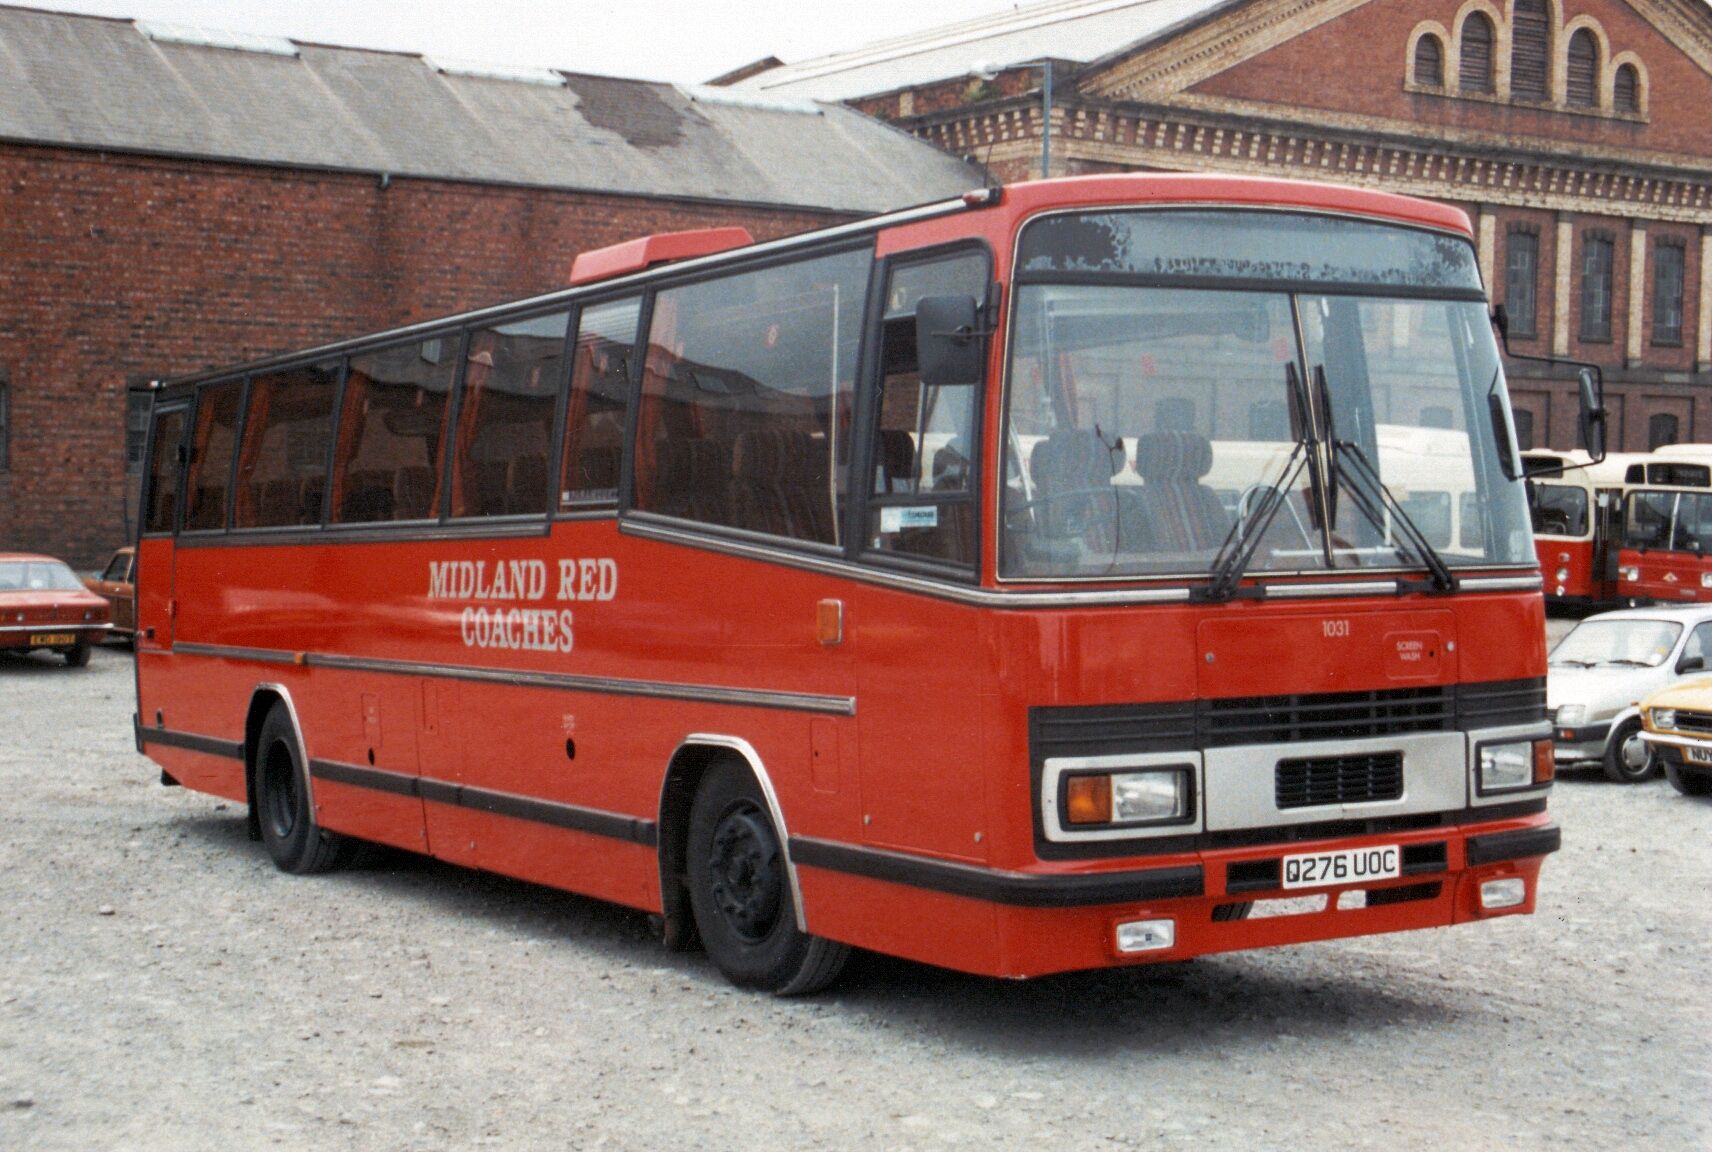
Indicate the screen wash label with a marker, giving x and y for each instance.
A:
(518, 604)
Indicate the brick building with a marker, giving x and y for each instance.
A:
(1574, 133)
(171, 200)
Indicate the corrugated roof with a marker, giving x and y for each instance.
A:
(90, 82)
(1076, 30)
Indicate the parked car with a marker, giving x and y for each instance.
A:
(1599, 673)
(44, 605)
(117, 585)
(1679, 729)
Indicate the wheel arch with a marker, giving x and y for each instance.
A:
(1623, 716)
(262, 702)
(688, 763)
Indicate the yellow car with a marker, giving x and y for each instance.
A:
(1678, 724)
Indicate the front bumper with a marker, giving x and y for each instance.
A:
(1580, 744)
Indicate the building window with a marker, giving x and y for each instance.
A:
(1596, 287)
(1661, 430)
(1530, 51)
(1524, 420)
(1429, 62)
(1582, 89)
(1667, 293)
(1521, 279)
(1626, 90)
(5, 422)
(1475, 67)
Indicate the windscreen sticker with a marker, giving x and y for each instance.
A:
(897, 519)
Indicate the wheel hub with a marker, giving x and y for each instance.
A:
(746, 874)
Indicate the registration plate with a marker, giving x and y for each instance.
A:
(52, 639)
(1698, 755)
(1352, 865)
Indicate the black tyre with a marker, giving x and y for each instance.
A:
(1688, 781)
(1628, 758)
(77, 656)
(740, 891)
(294, 841)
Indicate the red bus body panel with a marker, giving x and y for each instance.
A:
(1665, 576)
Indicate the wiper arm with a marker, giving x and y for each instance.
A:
(1442, 578)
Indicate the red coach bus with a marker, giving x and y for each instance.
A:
(872, 588)
(1577, 511)
(1666, 529)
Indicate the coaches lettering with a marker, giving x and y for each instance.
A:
(534, 628)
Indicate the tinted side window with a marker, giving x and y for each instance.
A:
(391, 427)
(505, 419)
(160, 502)
(211, 455)
(922, 495)
(600, 389)
(746, 398)
(282, 464)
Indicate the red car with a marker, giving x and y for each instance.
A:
(44, 605)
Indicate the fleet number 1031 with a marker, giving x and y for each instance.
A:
(1319, 869)
(1334, 629)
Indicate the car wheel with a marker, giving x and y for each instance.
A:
(295, 842)
(1628, 758)
(77, 656)
(740, 891)
(1687, 781)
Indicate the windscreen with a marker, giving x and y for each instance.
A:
(1557, 509)
(1310, 393)
(1672, 521)
(1618, 642)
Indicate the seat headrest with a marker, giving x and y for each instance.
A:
(1173, 456)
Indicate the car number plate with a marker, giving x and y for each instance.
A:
(1699, 755)
(52, 639)
(1352, 865)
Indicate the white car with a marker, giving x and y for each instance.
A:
(1601, 671)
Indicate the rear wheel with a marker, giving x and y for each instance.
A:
(1628, 758)
(740, 891)
(78, 654)
(295, 842)
(1687, 781)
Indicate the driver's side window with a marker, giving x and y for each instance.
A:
(1695, 652)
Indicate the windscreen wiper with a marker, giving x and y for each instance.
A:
(1239, 548)
(1442, 578)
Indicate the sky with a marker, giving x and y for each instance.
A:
(686, 41)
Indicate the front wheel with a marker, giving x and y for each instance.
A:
(1687, 781)
(295, 842)
(1628, 758)
(740, 891)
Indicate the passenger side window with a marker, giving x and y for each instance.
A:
(211, 455)
(747, 395)
(922, 499)
(505, 417)
(282, 464)
(160, 505)
(391, 428)
(1699, 647)
(600, 392)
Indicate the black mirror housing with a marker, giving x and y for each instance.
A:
(951, 346)
(1592, 419)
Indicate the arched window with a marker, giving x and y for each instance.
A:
(1530, 51)
(1475, 68)
(1582, 90)
(1429, 61)
(1626, 91)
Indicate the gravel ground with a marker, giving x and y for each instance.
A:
(163, 987)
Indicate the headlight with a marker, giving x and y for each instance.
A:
(1562, 575)
(1157, 796)
(1664, 718)
(1630, 573)
(1571, 715)
(1706, 579)
(1506, 766)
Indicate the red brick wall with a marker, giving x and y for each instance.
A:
(124, 267)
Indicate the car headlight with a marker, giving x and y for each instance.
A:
(1506, 766)
(1154, 796)
(1663, 718)
(1571, 715)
